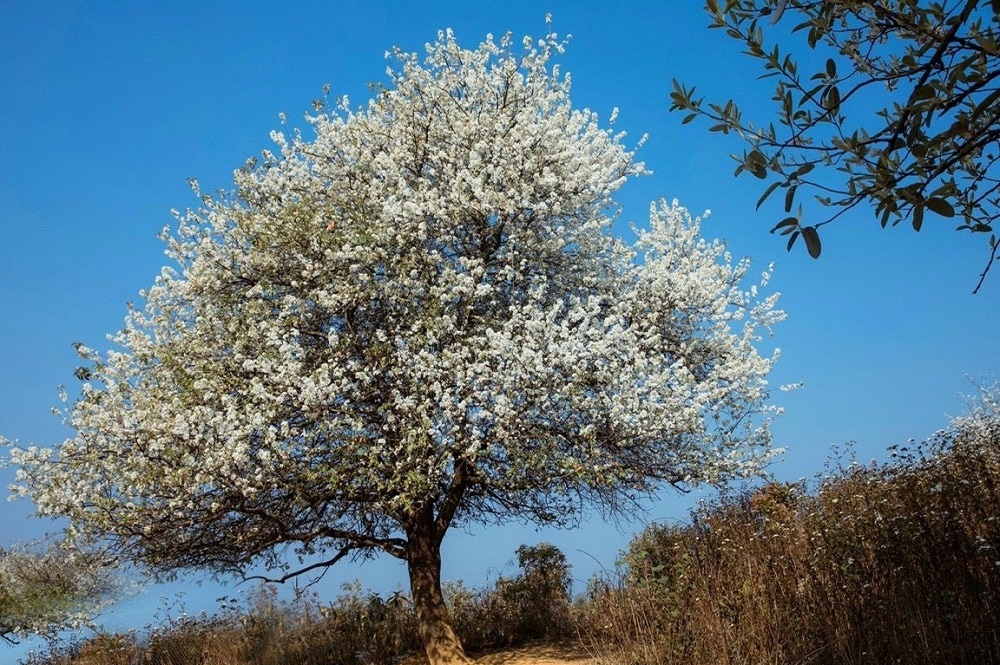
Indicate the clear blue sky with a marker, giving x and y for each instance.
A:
(109, 107)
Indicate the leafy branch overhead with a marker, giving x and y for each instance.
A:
(932, 71)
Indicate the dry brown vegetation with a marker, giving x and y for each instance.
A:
(357, 628)
(879, 563)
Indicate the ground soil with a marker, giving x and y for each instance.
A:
(538, 654)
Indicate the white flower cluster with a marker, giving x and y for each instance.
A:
(420, 305)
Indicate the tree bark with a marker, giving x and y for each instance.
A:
(433, 623)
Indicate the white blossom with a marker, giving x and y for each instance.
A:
(421, 300)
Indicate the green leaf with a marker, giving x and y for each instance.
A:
(788, 223)
(831, 99)
(689, 118)
(756, 163)
(789, 198)
(767, 193)
(941, 207)
(984, 105)
(918, 216)
(831, 68)
(791, 241)
(923, 92)
(884, 219)
(803, 170)
(811, 237)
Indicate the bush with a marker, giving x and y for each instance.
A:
(877, 563)
(538, 600)
(533, 605)
(358, 627)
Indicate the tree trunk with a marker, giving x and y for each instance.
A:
(424, 564)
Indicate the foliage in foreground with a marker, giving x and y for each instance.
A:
(882, 563)
(900, 97)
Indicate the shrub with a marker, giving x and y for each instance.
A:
(358, 627)
(894, 562)
(538, 600)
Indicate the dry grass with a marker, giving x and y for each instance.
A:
(894, 563)
(357, 628)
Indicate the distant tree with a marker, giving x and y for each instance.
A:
(415, 319)
(540, 595)
(906, 107)
(44, 591)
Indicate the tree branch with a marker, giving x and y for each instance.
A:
(302, 571)
(989, 264)
(453, 498)
(935, 60)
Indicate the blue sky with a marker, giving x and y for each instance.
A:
(108, 108)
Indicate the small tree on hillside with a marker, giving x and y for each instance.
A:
(44, 591)
(903, 102)
(539, 597)
(414, 320)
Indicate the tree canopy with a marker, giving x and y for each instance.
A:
(904, 102)
(414, 316)
(45, 590)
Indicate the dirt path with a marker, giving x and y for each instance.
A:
(539, 654)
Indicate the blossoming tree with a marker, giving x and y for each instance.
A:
(416, 317)
(46, 590)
